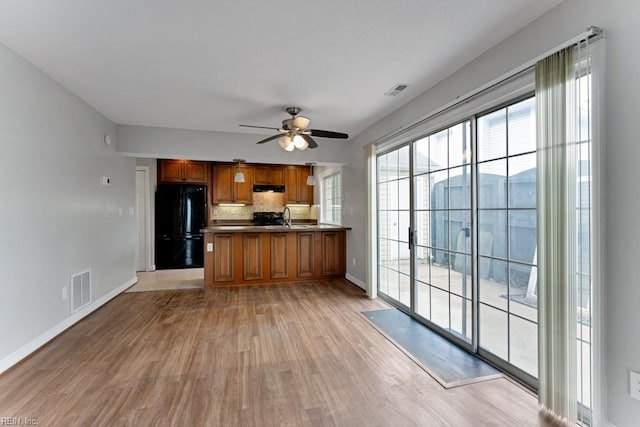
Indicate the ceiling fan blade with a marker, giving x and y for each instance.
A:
(328, 134)
(310, 141)
(271, 138)
(259, 127)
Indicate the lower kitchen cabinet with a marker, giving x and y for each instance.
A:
(283, 250)
(279, 256)
(223, 261)
(306, 251)
(333, 254)
(252, 256)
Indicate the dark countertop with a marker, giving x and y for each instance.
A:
(271, 228)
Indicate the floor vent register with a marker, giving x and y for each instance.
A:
(80, 290)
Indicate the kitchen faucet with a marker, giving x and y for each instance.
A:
(286, 214)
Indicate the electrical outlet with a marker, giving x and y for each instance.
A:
(634, 384)
(65, 293)
(209, 247)
(353, 261)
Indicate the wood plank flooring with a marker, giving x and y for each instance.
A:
(292, 354)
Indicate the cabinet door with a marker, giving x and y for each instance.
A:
(333, 253)
(296, 185)
(252, 254)
(291, 184)
(170, 170)
(195, 172)
(223, 261)
(261, 175)
(243, 191)
(268, 175)
(277, 175)
(222, 184)
(306, 254)
(305, 192)
(279, 255)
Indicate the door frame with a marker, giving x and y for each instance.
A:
(148, 264)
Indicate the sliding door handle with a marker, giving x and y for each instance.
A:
(413, 236)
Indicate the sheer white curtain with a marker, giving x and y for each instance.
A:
(556, 192)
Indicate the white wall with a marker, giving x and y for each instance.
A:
(621, 154)
(143, 141)
(56, 218)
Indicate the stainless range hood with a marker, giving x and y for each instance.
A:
(268, 188)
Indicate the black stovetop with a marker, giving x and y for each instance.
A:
(268, 218)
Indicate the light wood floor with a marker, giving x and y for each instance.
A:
(162, 280)
(292, 354)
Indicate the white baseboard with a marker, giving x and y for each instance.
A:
(24, 351)
(356, 281)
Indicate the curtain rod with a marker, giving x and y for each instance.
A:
(590, 33)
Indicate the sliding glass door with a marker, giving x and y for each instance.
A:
(442, 230)
(506, 231)
(457, 233)
(394, 262)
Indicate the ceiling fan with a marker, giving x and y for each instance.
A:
(294, 133)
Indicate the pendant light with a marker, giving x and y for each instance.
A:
(310, 179)
(239, 176)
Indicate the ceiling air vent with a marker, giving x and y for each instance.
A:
(396, 89)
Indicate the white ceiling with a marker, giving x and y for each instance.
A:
(212, 65)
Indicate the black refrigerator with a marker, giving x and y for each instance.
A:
(180, 215)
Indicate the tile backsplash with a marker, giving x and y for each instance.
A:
(263, 202)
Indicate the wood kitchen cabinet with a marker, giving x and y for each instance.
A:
(252, 256)
(223, 261)
(283, 255)
(268, 175)
(224, 190)
(184, 171)
(333, 254)
(296, 188)
(306, 254)
(266, 256)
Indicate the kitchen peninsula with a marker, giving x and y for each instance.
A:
(235, 255)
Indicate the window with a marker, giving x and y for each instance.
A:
(331, 200)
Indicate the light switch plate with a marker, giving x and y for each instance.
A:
(634, 384)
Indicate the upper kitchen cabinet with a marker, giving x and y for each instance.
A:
(186, 171)
(296, 185)
(224, 190)
(268, 175)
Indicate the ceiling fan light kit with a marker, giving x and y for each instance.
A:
(294, 133)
